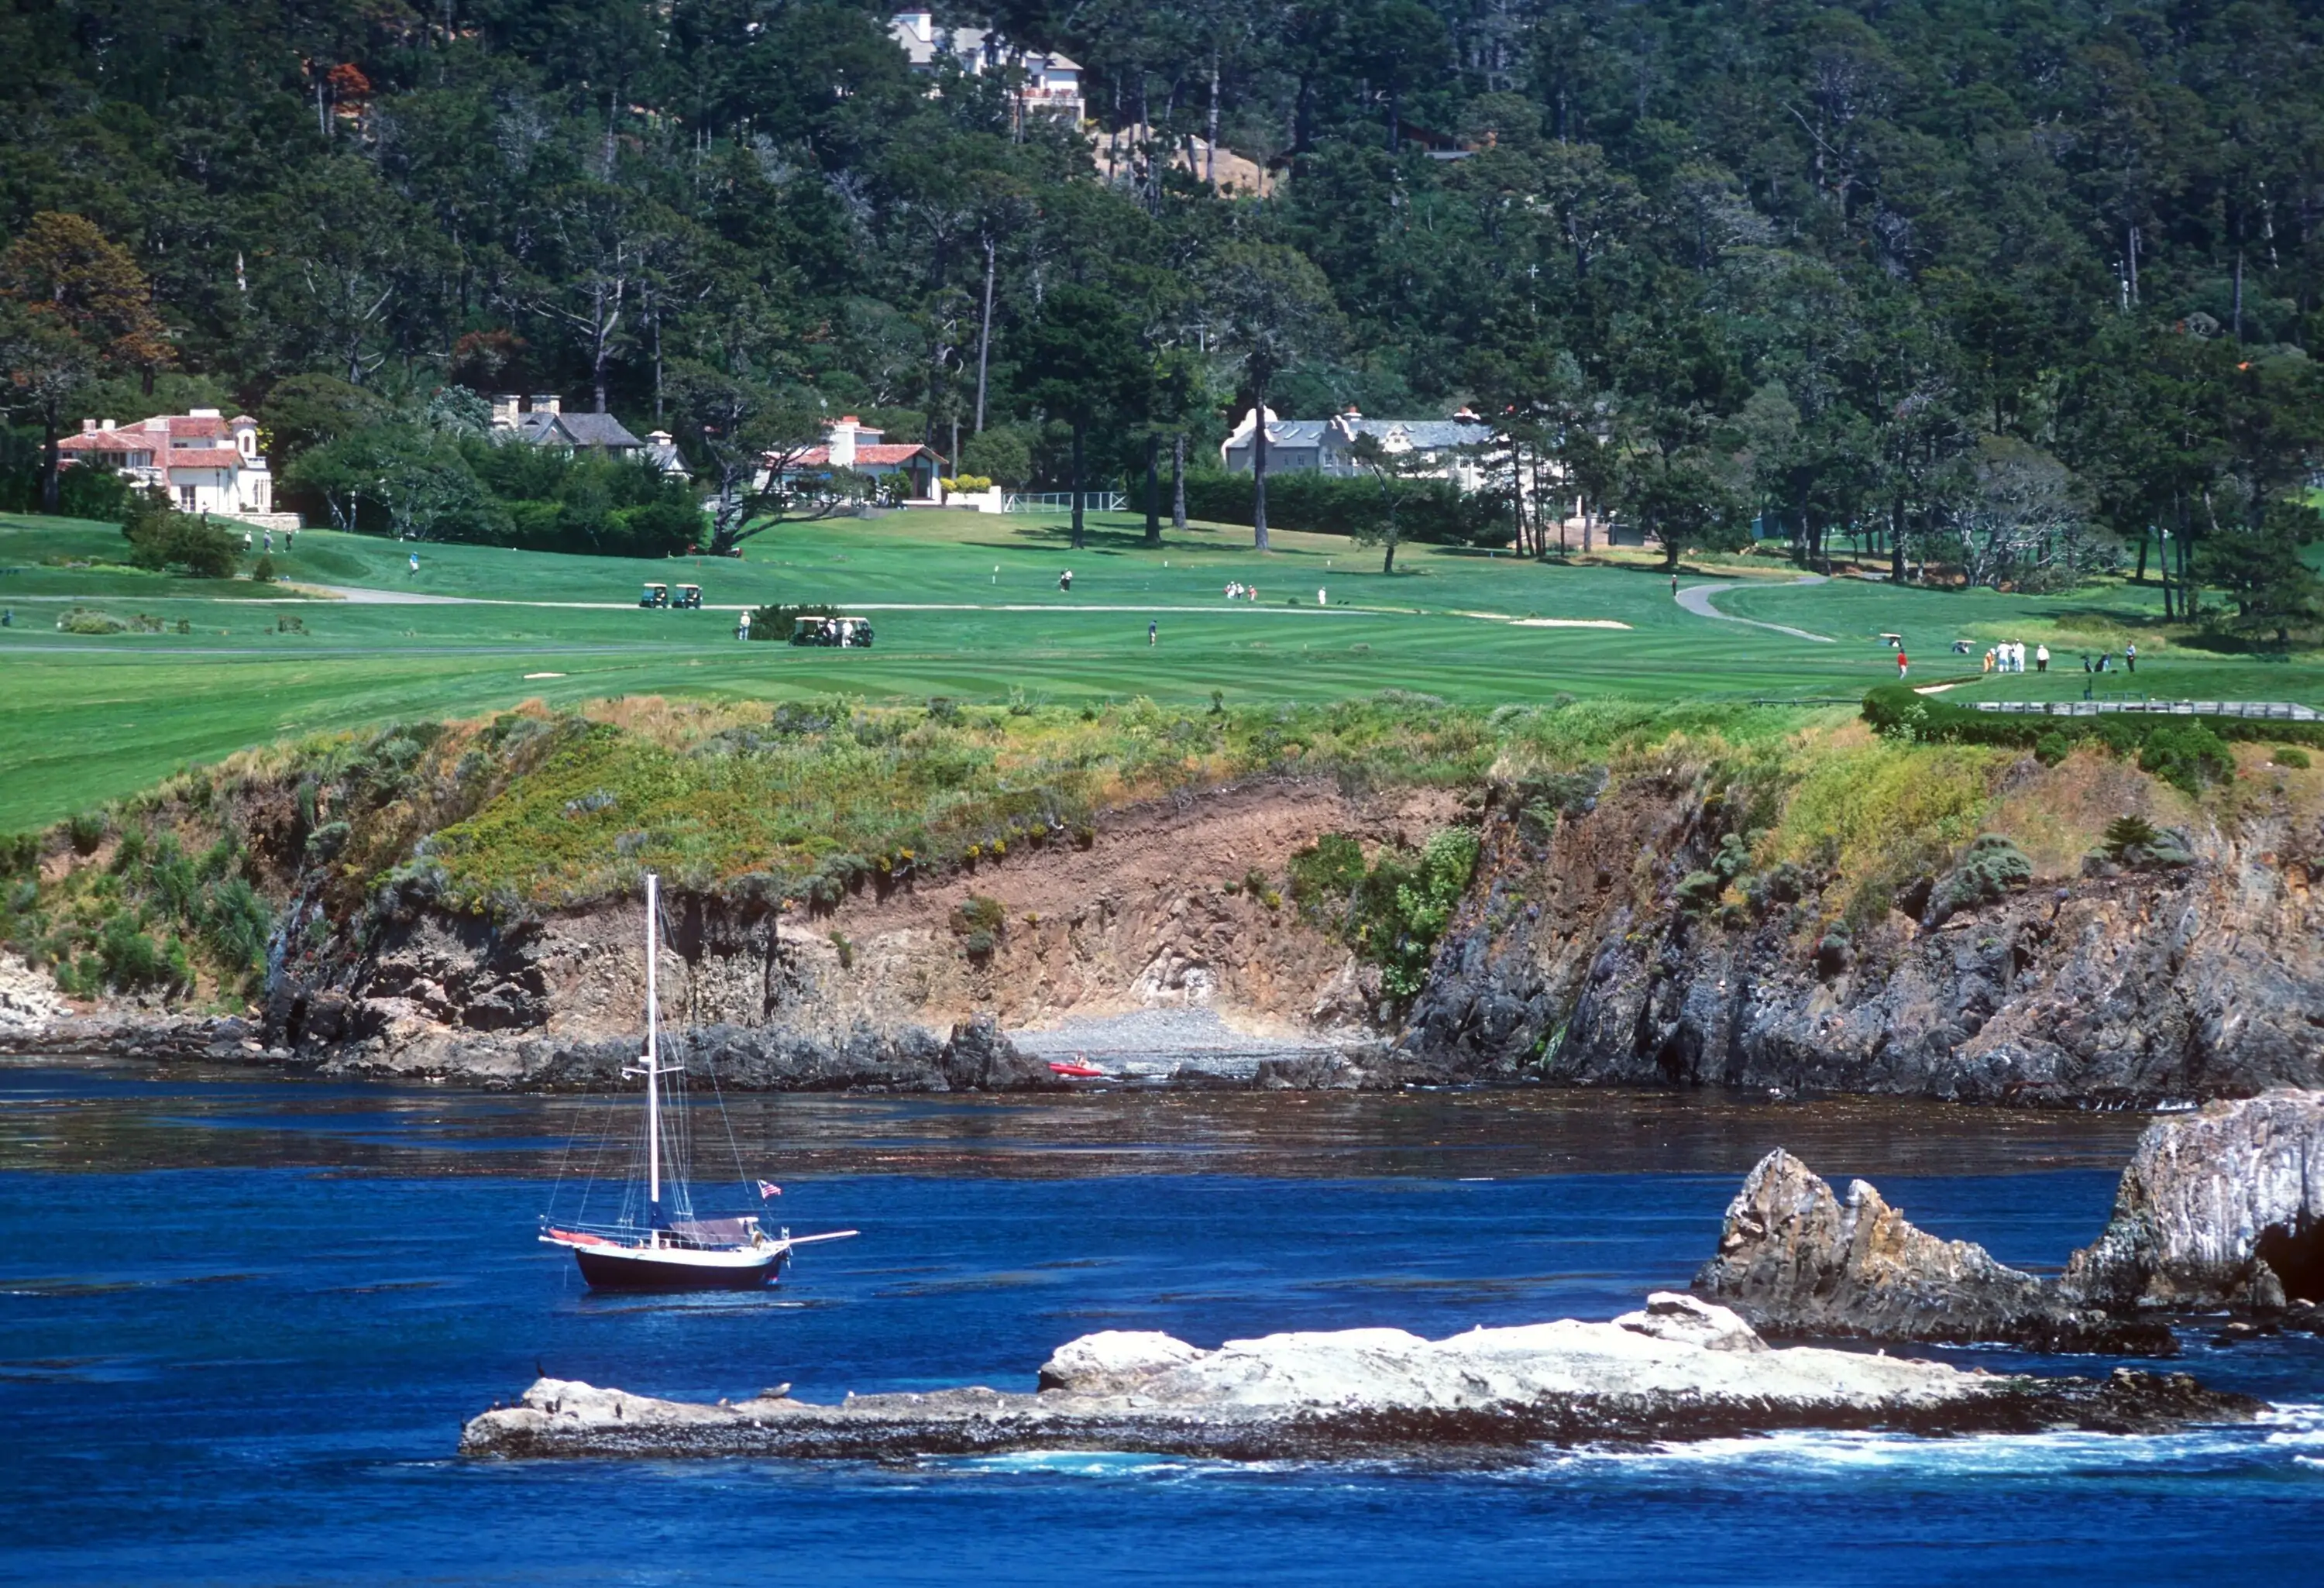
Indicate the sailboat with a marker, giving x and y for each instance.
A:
(660, 1243)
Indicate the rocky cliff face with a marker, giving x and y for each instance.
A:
(1578, 960)
(1586, 951)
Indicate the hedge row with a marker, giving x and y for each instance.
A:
(2185, 751)
(1434, 511)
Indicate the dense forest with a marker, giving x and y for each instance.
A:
(2018, 290)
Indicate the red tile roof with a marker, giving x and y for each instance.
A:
(820, 457)
(159, 435)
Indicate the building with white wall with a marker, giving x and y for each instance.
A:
(203, 461)
(1052, 84)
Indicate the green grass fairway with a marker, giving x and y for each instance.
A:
(965, 606)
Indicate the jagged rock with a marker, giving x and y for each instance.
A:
(980, 1054)
(2220, 1208)
(1797, 1261)
(1489, 1393)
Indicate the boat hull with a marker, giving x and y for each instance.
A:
(614, 1268)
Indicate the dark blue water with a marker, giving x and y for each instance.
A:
(255, 1370)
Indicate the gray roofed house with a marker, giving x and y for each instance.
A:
(1051, 83)
(1327, 446)
(546, 424)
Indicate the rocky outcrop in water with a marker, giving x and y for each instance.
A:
(1680, 1369)
(2224, 1208)
(1594, 950)
(1798, 1261)
(2221, 1208)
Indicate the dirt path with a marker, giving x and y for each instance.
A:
(1696, 599)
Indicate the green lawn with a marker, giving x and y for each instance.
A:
(88, 718)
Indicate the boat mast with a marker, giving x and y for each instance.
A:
(654, 1054)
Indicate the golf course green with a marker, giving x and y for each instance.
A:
(970, 607)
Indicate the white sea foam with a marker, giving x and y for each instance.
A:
(1084, 1464)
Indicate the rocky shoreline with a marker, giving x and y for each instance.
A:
(1589, 949)
(1679, 1369)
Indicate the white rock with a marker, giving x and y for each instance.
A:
(1672, 1315)
(28, 998)
(1113, 1361)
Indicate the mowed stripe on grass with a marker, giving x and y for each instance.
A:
(967, 607)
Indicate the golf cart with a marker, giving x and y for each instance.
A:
(688, 595)
(654, 595)
(853, 633)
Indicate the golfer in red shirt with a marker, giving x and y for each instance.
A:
(1901, 664)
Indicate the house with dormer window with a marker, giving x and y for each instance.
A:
(1441, 449)
(1052, 84)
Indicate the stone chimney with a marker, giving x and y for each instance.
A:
(88, 427)
(506, 406)
(844, 432)
(547, 403)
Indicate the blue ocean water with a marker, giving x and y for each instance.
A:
(245, 1356)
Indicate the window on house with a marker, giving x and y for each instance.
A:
(185, 498)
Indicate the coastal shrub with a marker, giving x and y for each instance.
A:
(1327, 873)
(80, 620)
(2134, 842)
(237, 925)
(1698, 892)
(1989, 868)
(1834, 948)
(87, 830)
(1392, 912)
(1781, 883)
(2187, 756)
(978, 922)
(2050, 749)
(130, 961)
(2285, 755)
(19, 852)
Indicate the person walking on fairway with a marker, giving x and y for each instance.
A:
(1153, 633)
(2040, 659)
(1903, 664)
(743, 627)
(1674, 581)
(2130, 657)
(415, 564)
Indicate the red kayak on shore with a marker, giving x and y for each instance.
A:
(1079, 1069)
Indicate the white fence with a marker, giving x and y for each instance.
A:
(2264, 710)
(1062, 501)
